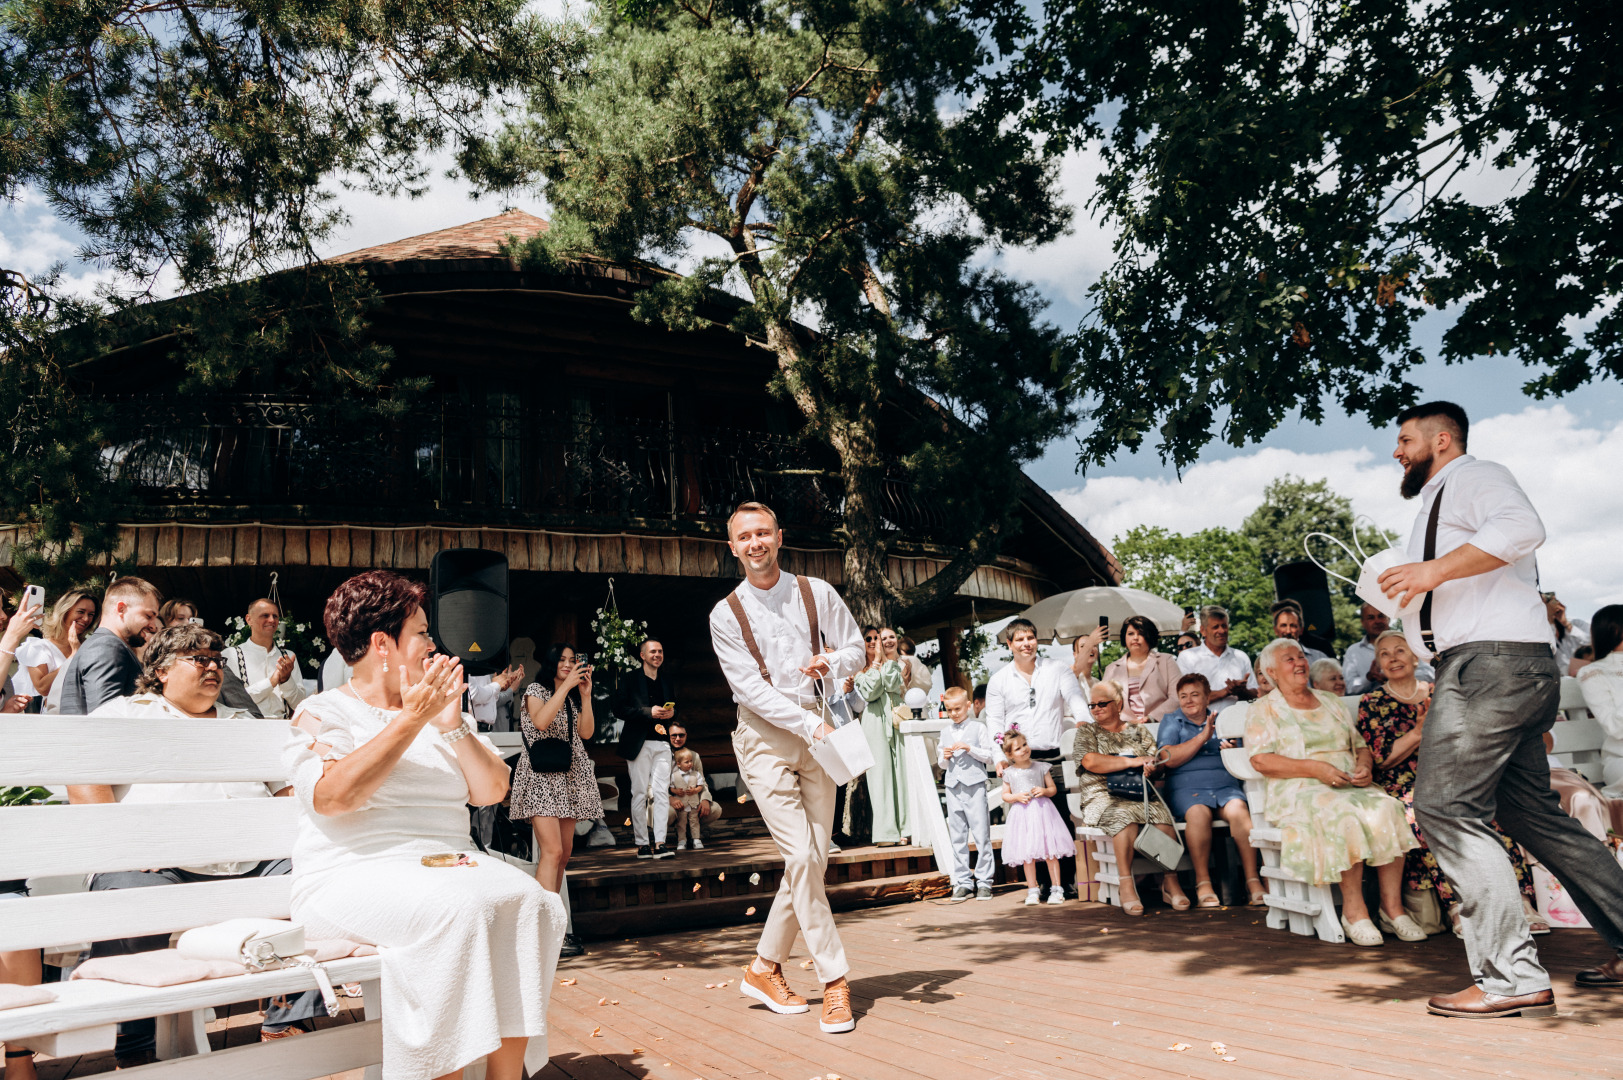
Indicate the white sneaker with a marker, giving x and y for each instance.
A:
(1403, 928)
(1034, 897)
(1056, 894)
(681, 845)
(698, 845)
(1362, 933)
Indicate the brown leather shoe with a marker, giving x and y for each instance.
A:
(771, 990)
(1473, 1003)
(837, 1008)
(1607, 974)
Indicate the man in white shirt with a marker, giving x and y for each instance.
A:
(784, 643)
(1358, 665)
(1497, 692)
(1035, 693)
(1227, 671)
(270, 672)
(181, 681)
(490, 698)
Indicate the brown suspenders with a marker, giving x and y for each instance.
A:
(807, 599)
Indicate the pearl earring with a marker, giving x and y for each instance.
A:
(385, 663)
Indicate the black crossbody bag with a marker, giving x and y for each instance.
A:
(554, 755)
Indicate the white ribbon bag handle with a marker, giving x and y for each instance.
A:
(1367, 587)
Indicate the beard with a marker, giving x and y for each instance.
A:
(1415, 475)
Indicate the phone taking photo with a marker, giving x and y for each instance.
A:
(33, 596)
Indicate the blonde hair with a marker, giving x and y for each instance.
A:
(1007, 740)
(1112, 688)
(752, 508)
(684, 758)
(956, 695)
(63, 605)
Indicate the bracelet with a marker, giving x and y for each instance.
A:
(458, 733)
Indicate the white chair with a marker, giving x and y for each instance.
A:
(1578, 735)
(1293, 904)
(55, 841)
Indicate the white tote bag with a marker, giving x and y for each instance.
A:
(1371, 567)
(843, 753)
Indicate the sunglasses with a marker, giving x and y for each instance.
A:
(1031, 698)
(1092, 705)
(203, 663)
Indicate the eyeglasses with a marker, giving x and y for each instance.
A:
(1092, 705)
(203, 663)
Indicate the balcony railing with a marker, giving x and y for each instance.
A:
(454, 461)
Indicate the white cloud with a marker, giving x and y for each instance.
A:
(1568, 470)
(1069, 265)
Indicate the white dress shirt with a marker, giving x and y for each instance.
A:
(486, 701)
(1602, 684)
(334, 671)
(155, 707)
(967, 768)
(782, 632)
(1010, 700)
(1485, 507)
(254, 666)
(1567, 648)
(1355, 665)
(1218, 668)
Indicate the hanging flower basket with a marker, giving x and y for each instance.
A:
(618, 639)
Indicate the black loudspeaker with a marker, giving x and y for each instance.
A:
(1305, 583)
(468, 618)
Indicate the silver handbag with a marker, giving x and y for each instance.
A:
(1162, 850)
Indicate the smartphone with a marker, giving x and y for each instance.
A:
(670, 704)
(195, 621)
(34, 596)
(1104, 620)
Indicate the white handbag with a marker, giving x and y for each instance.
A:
(260, 945)
(843, 753)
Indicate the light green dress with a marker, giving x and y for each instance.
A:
(881, 688)
(1324, 830)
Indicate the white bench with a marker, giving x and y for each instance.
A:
(56, 841)
(1578, 735)
(1293, 904)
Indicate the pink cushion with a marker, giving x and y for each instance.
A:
(162, 967)
(13, 996)
(336, 949)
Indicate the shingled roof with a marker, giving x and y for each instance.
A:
(480, 239)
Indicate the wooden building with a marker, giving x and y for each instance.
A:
(581, 443)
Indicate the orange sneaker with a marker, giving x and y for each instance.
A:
(772, 990)
(837, 1009)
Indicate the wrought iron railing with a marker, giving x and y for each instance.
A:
(472, 464)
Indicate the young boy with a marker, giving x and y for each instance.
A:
(687, 784)
(966, 751)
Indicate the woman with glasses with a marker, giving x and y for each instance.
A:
(1150, 676)
(1187, 641)
(881, 685)
(1108, 745)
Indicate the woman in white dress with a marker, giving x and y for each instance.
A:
(383, 768)
(42, 659)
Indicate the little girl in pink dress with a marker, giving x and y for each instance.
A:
(1035, 830)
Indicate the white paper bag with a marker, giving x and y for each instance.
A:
(1368, 584)
(843, 753)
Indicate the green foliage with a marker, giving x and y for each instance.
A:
(23, 796)
(1285, 180)
(1234, 569)
(197, 148)
(810, 153)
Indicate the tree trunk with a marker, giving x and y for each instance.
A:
(868, 591)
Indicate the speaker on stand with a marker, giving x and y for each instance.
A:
(468, 616)
(1305, 583)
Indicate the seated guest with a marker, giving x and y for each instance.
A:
(180, 679)
(1289, 622)
(176, 612)
(709, 808)
(977, 700)
(1580, 799)
(1602, 683)
(1227, 670)
(1111, 744)
(383, 776)
(1260, 682)
(1581, 659)
(1319, 775)
(1391, 719)
(1186, 640)
(1325, 674)
(1151, 676)
(1570, 634)
(1198, 786)
(1358, 664)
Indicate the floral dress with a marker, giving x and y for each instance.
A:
(1100, 809)
(1383, 719)
(1324, 830)
(571, 794)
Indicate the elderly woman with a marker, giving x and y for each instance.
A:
(1198, 786)
(1319, 774)
(384, 772)
(1150, 676)
(1326, 675)
(881, 685)
(1110, 744)
(1391, 719)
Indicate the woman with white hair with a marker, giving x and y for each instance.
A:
(1326, 675)
(1320, 795)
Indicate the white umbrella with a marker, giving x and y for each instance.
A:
(1069, 615)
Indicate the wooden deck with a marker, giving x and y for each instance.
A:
(976, 990)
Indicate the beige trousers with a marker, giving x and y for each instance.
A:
(796, 800)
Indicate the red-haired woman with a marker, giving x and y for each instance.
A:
(383, 773)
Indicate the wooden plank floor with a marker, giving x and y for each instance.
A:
(994, 989)
(976, 991)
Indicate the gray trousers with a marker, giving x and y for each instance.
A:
(968, 819)
(138, 1036)
(1483, 759)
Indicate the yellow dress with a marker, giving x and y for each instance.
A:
(1324, 830)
